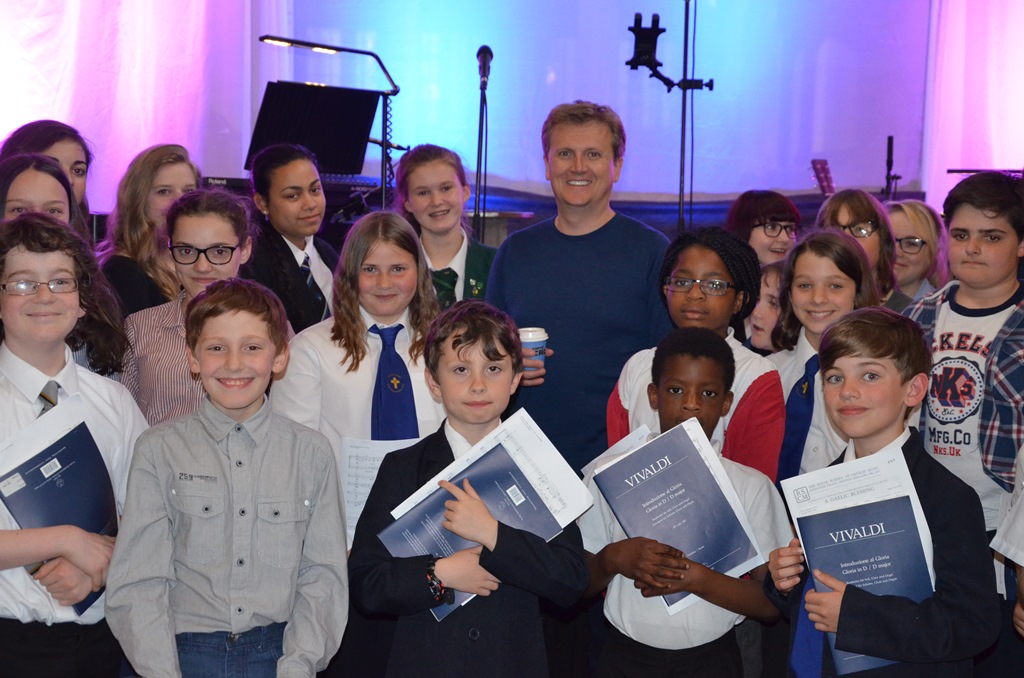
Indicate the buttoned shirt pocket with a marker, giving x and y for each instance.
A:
(198, 528)
(280, 532)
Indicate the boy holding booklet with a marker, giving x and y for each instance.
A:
(875, 365)
(51, 287)
(231, 557)
(692, 372)
(474, 364)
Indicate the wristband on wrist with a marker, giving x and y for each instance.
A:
(438, 590)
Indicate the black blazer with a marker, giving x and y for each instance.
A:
(498, 635)
(273, 265)
(939, 636)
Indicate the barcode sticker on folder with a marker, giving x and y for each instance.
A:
(49, 468)
(515, 495)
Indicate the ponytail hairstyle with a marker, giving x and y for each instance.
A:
(419, 156)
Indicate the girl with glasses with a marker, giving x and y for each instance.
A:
(922, 263)
(767, 220)
(861, 215)
(208, 239)
(711, 280)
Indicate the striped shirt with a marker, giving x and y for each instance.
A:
(156, 365)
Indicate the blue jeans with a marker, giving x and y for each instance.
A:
(252, 654)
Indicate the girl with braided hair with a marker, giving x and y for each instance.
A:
(711, 279)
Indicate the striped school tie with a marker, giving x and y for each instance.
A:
(318, 294)
(49, 396)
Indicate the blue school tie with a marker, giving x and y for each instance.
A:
(393, 416)
(799, 410)
(314, 289)
(806, 654)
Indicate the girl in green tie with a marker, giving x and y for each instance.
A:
(431, 192)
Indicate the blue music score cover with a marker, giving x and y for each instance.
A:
(509, 497)
(665, 491)
(65, 484)
(876, 547)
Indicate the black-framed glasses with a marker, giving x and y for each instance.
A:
(25, 288)
(861, 229)
(218, 255)
(772, 229)
(712, 288)
(911, 245)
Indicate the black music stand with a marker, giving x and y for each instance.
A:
(333, 122)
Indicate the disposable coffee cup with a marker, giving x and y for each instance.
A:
(535, 338)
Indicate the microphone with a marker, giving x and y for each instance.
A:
(888, 155)
(484, 56)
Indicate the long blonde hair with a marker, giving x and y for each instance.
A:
(130, 232)
(349, 330)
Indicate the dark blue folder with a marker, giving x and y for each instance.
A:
(665, 491)
(876, 547)
(509, 497)
(65, 484)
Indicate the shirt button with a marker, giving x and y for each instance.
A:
(238, 428)
(206, 509)
(241, 512)
(474, 634)
(276, 513)
(238, 463)
(239, 610)
(240, 562)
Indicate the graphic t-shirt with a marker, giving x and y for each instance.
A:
(956, 386)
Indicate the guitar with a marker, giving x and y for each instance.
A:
(823, 175)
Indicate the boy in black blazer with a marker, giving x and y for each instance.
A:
(474, 364)
(875, 365)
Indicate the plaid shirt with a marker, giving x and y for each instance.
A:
(1002, 408)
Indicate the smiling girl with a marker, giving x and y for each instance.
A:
(431, 190)
(710, 279)
(383, 305)
(208, 236)
(825, 277)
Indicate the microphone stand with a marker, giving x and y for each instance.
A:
(481, 159)
(891, 180)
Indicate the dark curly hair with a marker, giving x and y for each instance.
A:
(740, 259)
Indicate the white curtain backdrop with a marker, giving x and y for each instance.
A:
(976, 92)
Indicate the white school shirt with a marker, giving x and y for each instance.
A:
(323, 275)
(318, 391)
(457, 264)
(114, 420)
(646, 620)
(1009, 539)
(824, 441)
(636, 377)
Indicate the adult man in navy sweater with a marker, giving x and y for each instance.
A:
(590, 278)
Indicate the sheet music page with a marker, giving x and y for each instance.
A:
(360, 460)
